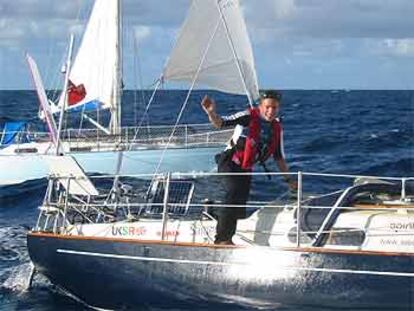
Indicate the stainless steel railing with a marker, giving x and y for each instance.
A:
(62, 204)
(132, 137)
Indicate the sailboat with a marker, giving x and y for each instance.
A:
(349, 244)
(203, 55)
(352, 246)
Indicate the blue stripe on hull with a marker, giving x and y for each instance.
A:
(114, 274)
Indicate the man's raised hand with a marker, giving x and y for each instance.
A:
(208, 105)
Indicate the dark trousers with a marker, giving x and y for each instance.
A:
(237, 190)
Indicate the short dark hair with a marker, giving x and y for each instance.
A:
(273, 94)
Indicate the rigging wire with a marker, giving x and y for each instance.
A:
(139, 84)
(200, 65)
(158, 83)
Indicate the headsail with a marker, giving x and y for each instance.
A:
(215, 32)
(70, 174)
(95, 74)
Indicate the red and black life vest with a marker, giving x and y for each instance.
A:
(249, 155)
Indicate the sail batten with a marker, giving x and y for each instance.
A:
(219, 27)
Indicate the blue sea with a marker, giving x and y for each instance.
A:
(332, 131)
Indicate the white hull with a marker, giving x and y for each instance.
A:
(367, 216)
(385, 231)
(18, 168)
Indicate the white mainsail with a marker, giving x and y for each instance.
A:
(97, 63)
(215, 34)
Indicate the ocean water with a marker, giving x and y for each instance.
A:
(351, 132)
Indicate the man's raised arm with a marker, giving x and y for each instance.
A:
(209, 107)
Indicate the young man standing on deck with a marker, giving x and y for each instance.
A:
(258, 135)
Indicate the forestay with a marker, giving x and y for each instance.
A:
(97, 60)
(214, 44)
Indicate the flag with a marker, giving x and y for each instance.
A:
(75, 93)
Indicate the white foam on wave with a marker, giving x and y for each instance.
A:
(13, 244)
(19, 278)
(14, 259)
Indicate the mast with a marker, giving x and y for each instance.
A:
(115, 123)
(65, 94)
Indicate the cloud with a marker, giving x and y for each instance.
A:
(41, 9)
(293, 40)
(141, 32)
(333, 18)
(271, 19)
(10, 31)
(283, 9)
(23, 20)
(156, 13)
(393, 47)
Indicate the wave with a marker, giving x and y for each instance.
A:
(388, 139)
(29, 193)
(18, 278)
(13, 244)
(322, 144)
(399, 168)
(14, 258)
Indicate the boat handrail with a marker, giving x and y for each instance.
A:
(259, 173)
(104, 209)
(186, 134)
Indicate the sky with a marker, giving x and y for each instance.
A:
(297, 44)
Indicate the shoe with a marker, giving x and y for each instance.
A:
(229, 242)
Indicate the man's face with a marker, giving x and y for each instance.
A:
(269, 108)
